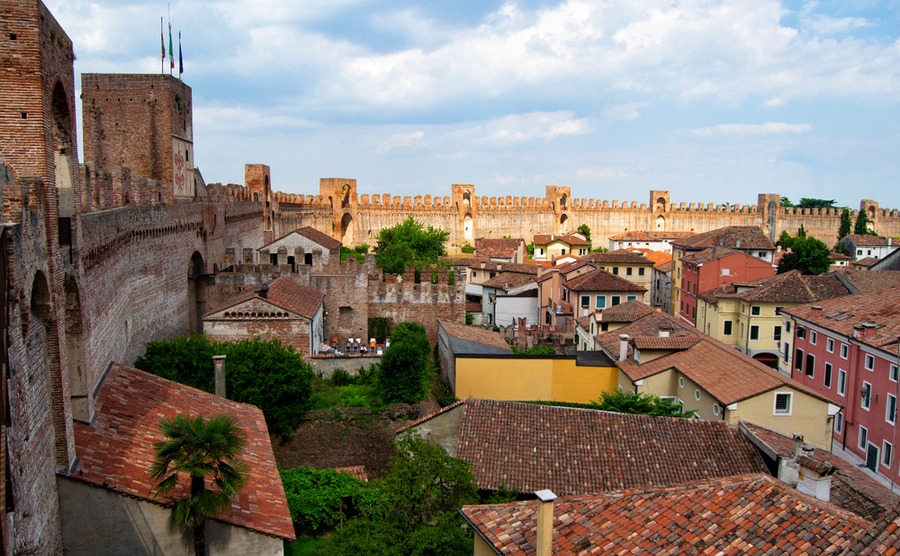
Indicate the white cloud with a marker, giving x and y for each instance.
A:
(536, 126)
(768, 128)
(623, 112)
(402, 141)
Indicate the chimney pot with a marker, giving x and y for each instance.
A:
(623, 347)
(798, 443)
(815, 311)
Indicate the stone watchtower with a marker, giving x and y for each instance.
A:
(559, 196)
(463, 198)
(660, 201)
(257, 180)
(341, 193)
(769, 207)
(144, 123)
(871, 209)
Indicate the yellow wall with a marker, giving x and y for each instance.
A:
(523, 378)
(809, 416)
(482, 548)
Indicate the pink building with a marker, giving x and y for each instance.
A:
(846, 348)
(712, 268)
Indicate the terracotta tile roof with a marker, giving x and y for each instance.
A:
(284, 293)
(315, 235)
(665, 267)
(657, 257)
(864, 281)
(429, 417)
(602, 281)
(505, 248)
(475, 334)
(794, 287)
(711, 254)
(750, 237)
(865, 262)
(840, 256)
(748, 514)
(649, 236)
(117, 450)
(568, 268)
(527, 447)
(883, 538)
(723, 292)
(618, 257)
(356, 471)
(867, 240)
(674, 343)
(629, 311)
(509, 280)
(851, 488)
(505, 267)
(726, 374)
(544, 239)
(873, 318)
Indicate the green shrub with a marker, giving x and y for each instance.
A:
(320, 499)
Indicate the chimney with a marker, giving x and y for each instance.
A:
(219, 366)
(815, 311)
(623, 347)
(545, 522)
(798, 444)
(737, 243)
(264, 291)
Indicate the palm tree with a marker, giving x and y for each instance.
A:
(200, 448)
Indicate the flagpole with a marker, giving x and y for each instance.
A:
(162, 43)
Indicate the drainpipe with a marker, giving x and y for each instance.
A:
(545, 522)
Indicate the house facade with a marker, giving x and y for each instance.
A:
(551, 247)
(846, 349)
(654, 241)
(863, 246)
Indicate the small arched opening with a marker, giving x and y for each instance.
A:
(63, 151)
(660, 204)
(767, 359)
(660, 222)
(196, 293)
(563, 224)
(469, 229)
(563, 202)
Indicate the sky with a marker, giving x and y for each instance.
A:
(715, 101)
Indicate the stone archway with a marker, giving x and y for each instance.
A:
(468, 229)
(196, 293)
(660, 222)
(347, 230)
(563, 225)
(63, 151)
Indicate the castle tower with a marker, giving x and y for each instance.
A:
(144, 123)
(769, 205)
(463, 199)
(258, 182)
(558, 196)
(659, 206)
(872, 211)
(341, 194)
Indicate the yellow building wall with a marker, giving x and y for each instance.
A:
(482, 548)
(673, 383)
(522, 379)
(767, 320)
(809, 416)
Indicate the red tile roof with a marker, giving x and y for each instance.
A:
(864, 281)
(284, 293)
(725, 373)
(793, 287)
(749, 514)
(864, 262)
(749, 237)
(867, 240)
(527, 447)
(544, 239)
(509, 280)
(602, 281)
(673, 343)
(618, 257)
(476, 334)
(872, 318)
(116, 451)
(649, 236)
(629, 311)
(497, 248)
(322, 239)
(851, 488)
(505, 267)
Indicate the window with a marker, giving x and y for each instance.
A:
(641, 271)
(754, 310)
(829, 345)
(859, 252)
(890, 409)
(827, 375)
(810, 365)
(616, 299)
(631, 298)
(863, 438)
(839, 423)
(777, 334)
(681, 382)
(893, 374)
(845, 350)
(870, 362)
(801, 332)
(842, 382)
(754, 332)
(813, 337)
(601, 301)
(787, 327)
(787, 352)
(865, 396)
(728, 325)
(628, 271)
(697, 395)
(887, 450)
(798, 360)
(783, 403)
(615, 270)
(585, 301)
(716, 409)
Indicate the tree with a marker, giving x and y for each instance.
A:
(402, 376)
(812, 203)
(844, 230)
(413, 509)
(320, 499)
(785, 240)
(409, 244)
(266, 374)
(201, 449)
(808, 255)
(585, 230)
(785, 202)
(862, 224)
(634, 402)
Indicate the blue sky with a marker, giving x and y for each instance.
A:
(715, 101)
